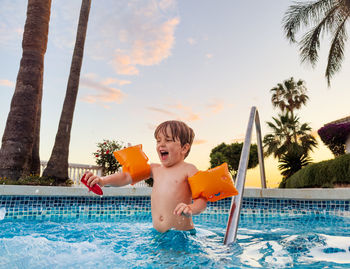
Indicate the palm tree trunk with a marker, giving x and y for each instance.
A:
(34, 169)
(294, 131)
(19, 135)
(57, 166)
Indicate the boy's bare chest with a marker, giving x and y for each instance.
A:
(171, 187)
(168, 177)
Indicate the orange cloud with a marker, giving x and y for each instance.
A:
(186, 113)
(104, 94)
(199, 141)
(216, 106)
(191, 41)
(7, 83)
(109, 81)
(178, 112)
(163, 111)
(152, 45)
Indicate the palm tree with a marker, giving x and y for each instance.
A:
(57, 166)
(20, 131)
(323, 16)
(289, 95)
(286, 131)
(293, 160)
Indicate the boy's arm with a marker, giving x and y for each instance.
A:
(197, 207)
(118, 179)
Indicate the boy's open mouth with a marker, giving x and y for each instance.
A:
(164, 154)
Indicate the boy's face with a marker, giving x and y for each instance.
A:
(169, 150)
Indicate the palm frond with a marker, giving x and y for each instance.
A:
(301, 14)
(310, 43)
(336, 52)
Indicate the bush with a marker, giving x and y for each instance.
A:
(334, 136)
(105, 158)
(324, 174)
(35, 180)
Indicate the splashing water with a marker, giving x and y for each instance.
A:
(2, 213)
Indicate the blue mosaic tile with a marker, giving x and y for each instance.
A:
(109, 208)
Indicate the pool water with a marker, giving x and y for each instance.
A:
(264, 241)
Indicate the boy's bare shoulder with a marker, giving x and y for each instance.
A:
(191, 169)
(154, 165)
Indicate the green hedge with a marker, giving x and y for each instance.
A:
(34, 180)
(324, 174)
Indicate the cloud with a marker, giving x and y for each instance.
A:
(162, 111)
(178, 112)
(90, 76)
(216, 106)
(167, 4)
(152, 45)
(186, 113)
(199, 141)
(151, 126)
(105, 94)
(6, 83)
(191, 41)
(123, 65)
(129, 34)
(109, 81)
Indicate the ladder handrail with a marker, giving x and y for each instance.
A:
(236, 202)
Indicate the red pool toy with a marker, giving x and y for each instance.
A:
(95, 189)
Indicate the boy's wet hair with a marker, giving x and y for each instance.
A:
(179, 130)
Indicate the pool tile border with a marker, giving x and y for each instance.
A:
(108, 208)
(308, 194)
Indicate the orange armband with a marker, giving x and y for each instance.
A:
(214, 184)
(134, 162)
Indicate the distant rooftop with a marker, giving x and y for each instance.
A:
(343, 120)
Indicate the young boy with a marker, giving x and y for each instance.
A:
(171, 198)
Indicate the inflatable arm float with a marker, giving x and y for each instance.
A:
(214, 184)
(134, 162)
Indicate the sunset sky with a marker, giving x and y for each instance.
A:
(201, 61)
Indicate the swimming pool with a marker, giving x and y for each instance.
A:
(116, 232)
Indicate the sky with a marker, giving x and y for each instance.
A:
(203, 62)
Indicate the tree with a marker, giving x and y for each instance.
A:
(105, 158)
(231, 155)
(290, 142)
(286, 131)
(289, 95)
(324, 17)
(57, 166)
(293, 160)
(23, 121)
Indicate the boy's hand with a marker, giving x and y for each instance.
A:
(183, 209)
(92, 179)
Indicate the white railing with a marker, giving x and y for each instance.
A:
(76, 171)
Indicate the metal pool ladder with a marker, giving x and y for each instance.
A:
(236, 203)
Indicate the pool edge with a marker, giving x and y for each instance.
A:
(309, 194)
